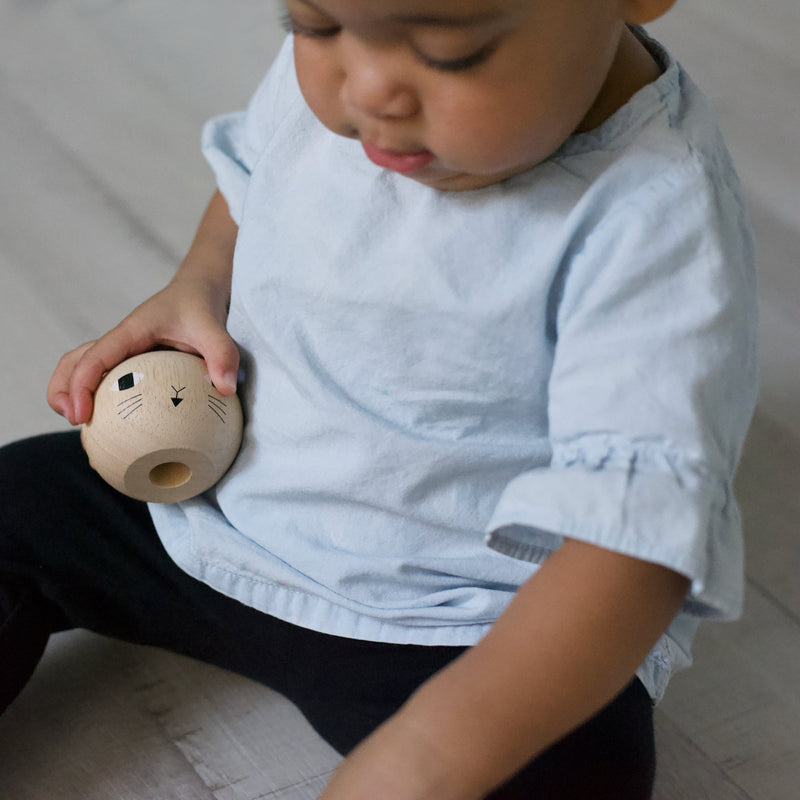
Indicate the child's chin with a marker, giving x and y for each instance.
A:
(452, 181)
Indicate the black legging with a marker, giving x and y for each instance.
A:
(76, 554)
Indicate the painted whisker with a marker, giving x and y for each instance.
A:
(217, 412)
(130, 410)
(129, 400)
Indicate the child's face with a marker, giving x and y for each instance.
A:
(460, 94)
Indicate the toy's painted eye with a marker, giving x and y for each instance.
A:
(127, 381)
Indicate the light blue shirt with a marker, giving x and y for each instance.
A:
(568, 353)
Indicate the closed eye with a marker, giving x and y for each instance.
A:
(293, 26)
(461, 64)
(458, 64)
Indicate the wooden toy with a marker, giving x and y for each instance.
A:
(160, 431)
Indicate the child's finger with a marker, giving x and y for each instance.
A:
(95, 361)
(58, 388)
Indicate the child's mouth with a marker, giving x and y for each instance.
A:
(404, 163)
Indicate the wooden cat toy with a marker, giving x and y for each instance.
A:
(160, 431)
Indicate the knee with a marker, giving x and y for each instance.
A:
(32, 463)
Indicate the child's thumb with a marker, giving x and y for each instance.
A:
(222, 359)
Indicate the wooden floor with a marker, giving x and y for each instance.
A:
(101, 185)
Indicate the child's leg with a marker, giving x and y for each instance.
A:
(611, 757)
(347, 688)
(81, 555)
(45, 502)
(26, 622)
(75, 553)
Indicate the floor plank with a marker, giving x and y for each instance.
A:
(768, 489)
(75, 733)
(685, 772)
(231, 730)
(125, 721)
(740, 706)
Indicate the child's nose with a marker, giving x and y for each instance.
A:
(374, 85)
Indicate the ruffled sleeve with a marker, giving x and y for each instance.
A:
(652, 389)
(232, 143)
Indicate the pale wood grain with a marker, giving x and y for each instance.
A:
(684, 772)
(243, 740)
(740, 705)
(104, 719)
(768, 488)
(78, 733)
(166, 434)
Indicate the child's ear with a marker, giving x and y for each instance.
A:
(640, 12)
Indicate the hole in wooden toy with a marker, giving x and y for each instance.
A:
(170, 474)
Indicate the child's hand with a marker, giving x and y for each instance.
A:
(399, 762)
(189, 315)
(186, 315)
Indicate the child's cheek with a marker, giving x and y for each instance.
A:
(319, 87)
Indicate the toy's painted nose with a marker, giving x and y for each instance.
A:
(177, 400)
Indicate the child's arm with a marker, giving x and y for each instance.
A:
(570, 640)
(189, 314)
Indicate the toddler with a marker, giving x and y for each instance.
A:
(484, 269)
